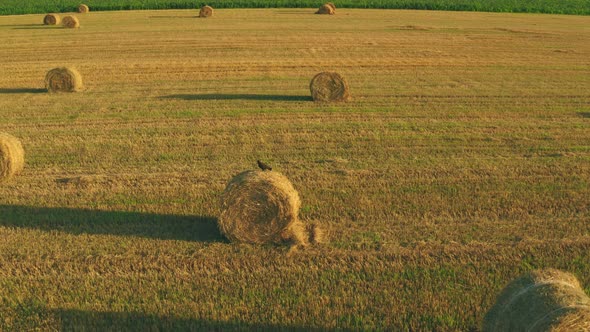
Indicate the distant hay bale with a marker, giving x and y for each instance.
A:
(51, 19)
(83, 9)
(12, 156)
(329, 86)
(542, 300)
(261, 207)
(70, 22)
(63, 79)
(206, 11)
(327, 9)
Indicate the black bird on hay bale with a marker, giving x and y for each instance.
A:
(263, 166)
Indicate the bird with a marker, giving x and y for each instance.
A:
(263, 166)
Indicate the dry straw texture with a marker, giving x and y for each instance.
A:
(261, 207)
(328, 86)
(51, 19)
(70, 22)
(327, 9)
(83, 9)
(12, 156)
(315, 234)
(206, 11)
(331, 4)
(542, 300)
(63, 79)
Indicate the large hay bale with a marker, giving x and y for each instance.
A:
(206, 11)
(329, 86)
(542, 300)
(327, 9)
(12, 156)
(261, 207)
(63, 79)
(70, 22)
(83, 9)
(51, 19)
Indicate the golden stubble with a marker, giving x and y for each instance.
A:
(461, 162)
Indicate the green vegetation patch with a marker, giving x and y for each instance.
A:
(575, 7)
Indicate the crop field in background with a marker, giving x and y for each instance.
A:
(462, 162)
(577, 7)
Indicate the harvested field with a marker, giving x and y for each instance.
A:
(461, 162)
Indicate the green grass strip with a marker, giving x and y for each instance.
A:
(573, 7)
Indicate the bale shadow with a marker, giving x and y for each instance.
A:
(120, 223)
(36, 26)
(79, 320)
(21, 90)
(220, 96)
(584, 114)
(21, 25)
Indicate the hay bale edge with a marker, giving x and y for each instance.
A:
(12, 156)
(540, 300)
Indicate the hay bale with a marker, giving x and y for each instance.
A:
(51, 19)
(206, 11)
(542, 300)
(83, 9)
(327, 9)
(331, 4)
(261, 207)
(70, 22)
(12, 156)
(329, 86)
(63, 79)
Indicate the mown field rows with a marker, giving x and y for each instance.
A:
(462, 161)
(576, 7)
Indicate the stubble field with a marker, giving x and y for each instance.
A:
(462, 162)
